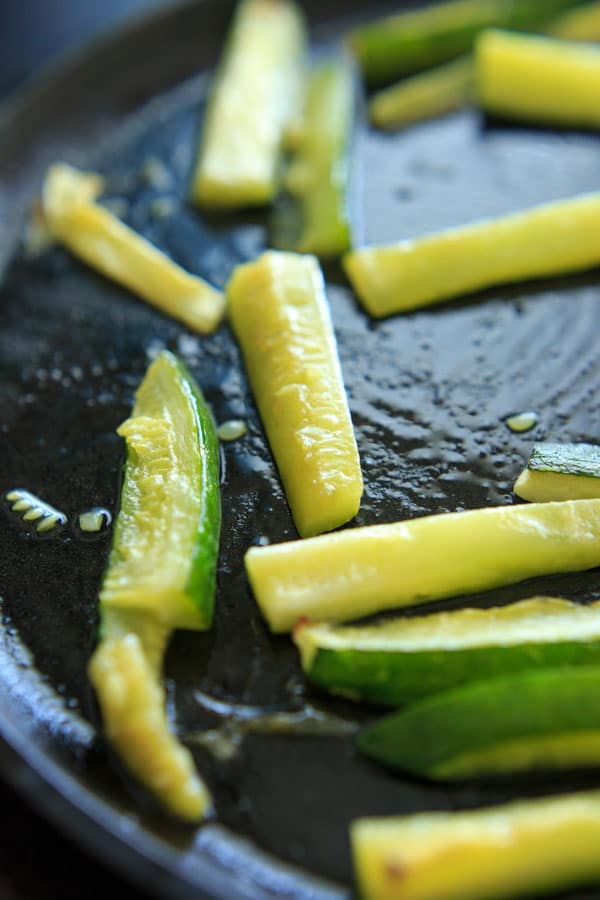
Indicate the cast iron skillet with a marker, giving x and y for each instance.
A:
(429, 394)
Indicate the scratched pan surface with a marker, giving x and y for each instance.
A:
(428, 391)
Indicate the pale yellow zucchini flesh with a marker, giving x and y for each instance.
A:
(126, 673)
(361, 571)
(280, 315)
(538, 79)
(539, 242)
(257, 94)
(517, 849)
(101, 240)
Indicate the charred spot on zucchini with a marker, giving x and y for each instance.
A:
(560, 472)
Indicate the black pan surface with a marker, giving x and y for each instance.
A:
(429, 394)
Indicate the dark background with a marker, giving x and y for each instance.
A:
(36, 861)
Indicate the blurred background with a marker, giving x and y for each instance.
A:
(36, 32)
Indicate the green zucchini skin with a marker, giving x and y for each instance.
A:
(480, 722)
(397, 679)
(314, 217)
(408, 42)
(201, 583)
(566, 459)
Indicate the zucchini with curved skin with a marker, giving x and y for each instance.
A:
(160, 576)
(541, 719)
(560, 472)
(401, 660)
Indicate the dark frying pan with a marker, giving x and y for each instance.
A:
(429, 394)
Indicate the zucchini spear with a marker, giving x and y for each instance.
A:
(409, 41)
(543, 241)
(518, 849)
(97, 237)
(398, 661)
(318, 175)
(280, 315)
(160, 576)
(542, 719)
(538, 79)
(560, 472)
(360, 571)
(256, 94)
(450, 86)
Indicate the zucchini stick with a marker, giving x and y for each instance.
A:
(256, 95)
(541, 719)
(401, 660)
(317, 179)
(424, 96)
(448, 87)
(410, 41)
(543, 241)
(527, 847)
(97, 237)
(538, 79)
(360, 571)
(579, 24)
(560, 472)
(280, 316)
(160, 576)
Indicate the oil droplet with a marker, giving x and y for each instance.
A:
(163, 207)
(232, 430)
(522, 422)
(33, 509)
(94, 520)
(155, 173)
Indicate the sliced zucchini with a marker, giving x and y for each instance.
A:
(280, 315)
(540, 242)
(579, 24)
(560, 472)
(402, 660)
(317, 179)
(97, 237)
(538, 79)
(256, 94)
(447, 87)
(160, 576)
(543, 719)
(528, 847)
(163, 558)
(424, 96)
(364, 570)
(409, 41)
